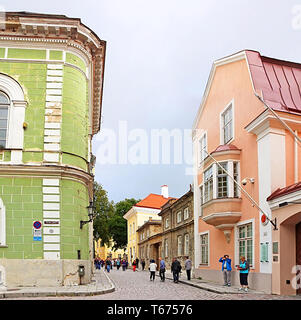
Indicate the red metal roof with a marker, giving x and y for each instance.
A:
(225, 147)
(278, 80)
(284, 191)
(153, 201)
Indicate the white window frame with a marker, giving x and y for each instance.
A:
(179, 214)
(186, 244)
(2, 224)
(236, 229)
(16, 112)
(203, 145)
(208, 247)
(186, 213)
(167, 223)
(180, 245)
(222, 138)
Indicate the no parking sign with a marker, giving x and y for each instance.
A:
(37, 232)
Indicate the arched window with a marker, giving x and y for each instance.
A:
(4, 105)
(2, 225)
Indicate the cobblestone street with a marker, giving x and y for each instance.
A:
(131, 285)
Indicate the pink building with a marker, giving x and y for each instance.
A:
(260, 149)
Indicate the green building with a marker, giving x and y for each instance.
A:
(51, 81)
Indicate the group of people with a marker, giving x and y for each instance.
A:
(176, 269)
(243, 267)
(109, 264)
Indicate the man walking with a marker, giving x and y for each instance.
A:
(162, 269)
(226, 269)
(175, 269)
(152, 269)
(188, 266)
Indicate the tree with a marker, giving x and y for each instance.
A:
(118, 225)
(104, 212)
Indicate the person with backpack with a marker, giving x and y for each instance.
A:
(243, 268)
(175, 269)
(226, 269)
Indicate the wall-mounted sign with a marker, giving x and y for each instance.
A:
(264, 219)
(37, 235)
(52, 222)
(37, 224)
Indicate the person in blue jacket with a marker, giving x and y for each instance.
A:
(226, 269)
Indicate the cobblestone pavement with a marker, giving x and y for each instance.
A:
(131, 285)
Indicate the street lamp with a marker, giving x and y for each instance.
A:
(90, 214)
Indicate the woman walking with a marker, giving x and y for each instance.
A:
(152, 269)
(243, 268)
(134, 265)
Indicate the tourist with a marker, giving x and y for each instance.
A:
(188, 266)
(175, 269)
(162, 269)
(108, 265)
(243, 268)
(226, 269)
(118, 263)
(137, 262)
(152, 269)
(143, 264)
(123, 264)
(134, 265)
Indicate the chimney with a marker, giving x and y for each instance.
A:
(164, 191)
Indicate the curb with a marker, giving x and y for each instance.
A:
(55, 292)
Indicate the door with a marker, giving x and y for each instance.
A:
(298, 256)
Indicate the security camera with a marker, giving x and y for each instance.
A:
(244, 182)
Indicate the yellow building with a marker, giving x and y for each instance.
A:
(107, 251)
(139, 214)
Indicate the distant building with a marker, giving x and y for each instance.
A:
(150, 239)
(178, 229)
(147, 208)
(104, 251)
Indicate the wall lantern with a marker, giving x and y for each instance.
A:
(91, 214)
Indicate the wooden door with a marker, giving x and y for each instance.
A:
(298, 256)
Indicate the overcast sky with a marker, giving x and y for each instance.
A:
(159, 55)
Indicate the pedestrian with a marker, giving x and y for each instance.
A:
(226, 269)
(118, 263)
(98, 264)
(134, 265)
(112, 263)
(175, 269)
(243, 268)
(137, 262)
(162, 269)
(123, 265)
(108, 265)
(152, 269)
(143, 264)
(188, 266)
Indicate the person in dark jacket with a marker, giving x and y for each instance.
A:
(175, 269)
(226, 269)
(143, 264)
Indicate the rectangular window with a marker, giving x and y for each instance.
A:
(208, 185)
(179, 245)
(235, 177)
(227, 125)
(203, 148)
(166, 247)
(179, 216)
(204, 248)
(222, 181)
(186, 244)
(186, 213)
(4, 104)
(245, 242)
(166, 223)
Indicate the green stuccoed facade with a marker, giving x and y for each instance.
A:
(51, 81)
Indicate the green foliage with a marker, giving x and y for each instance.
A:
(109, 223)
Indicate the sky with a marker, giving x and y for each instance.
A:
(158, 59)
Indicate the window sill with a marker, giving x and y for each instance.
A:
(3, 246)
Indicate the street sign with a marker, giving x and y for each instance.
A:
(37, 224)
(37, 235)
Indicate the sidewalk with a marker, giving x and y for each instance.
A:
(209, 286)
(100, 284)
